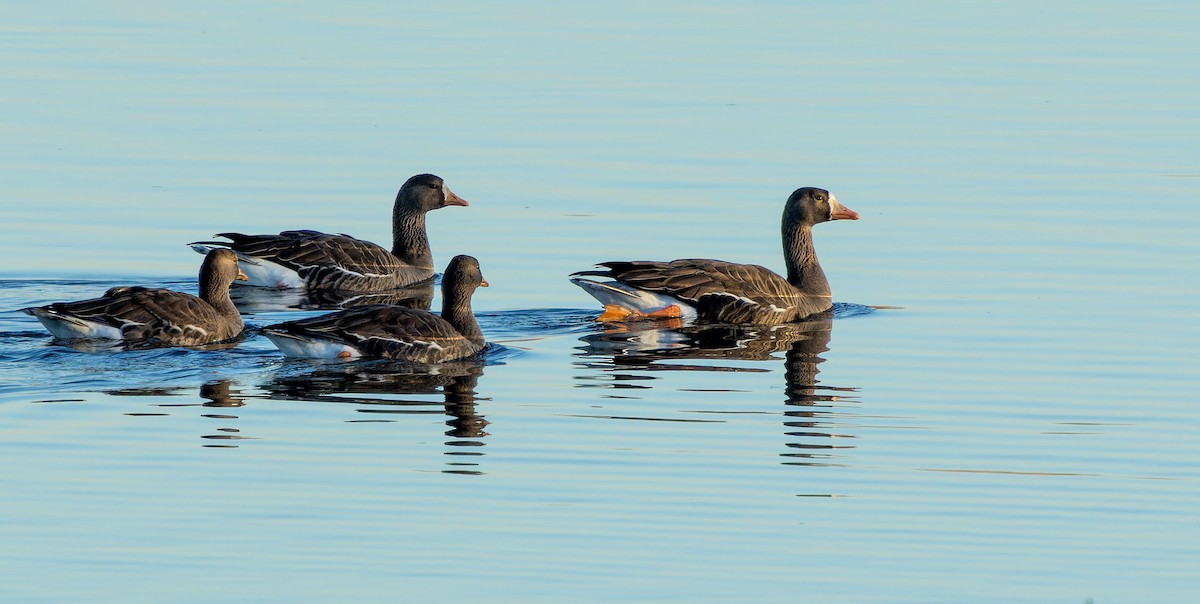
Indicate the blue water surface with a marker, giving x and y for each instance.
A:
(1001, 410)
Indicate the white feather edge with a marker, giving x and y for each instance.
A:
(745, 300)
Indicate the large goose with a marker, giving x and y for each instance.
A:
(394, 332)
(141, 315)
(321, 261)
(726, 292)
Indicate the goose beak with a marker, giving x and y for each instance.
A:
(483, 284)
(241, 276)
(452, 199)
(838, 211)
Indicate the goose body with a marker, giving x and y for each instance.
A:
(322, 261)
(727, 292)
(394, 332)
(144, 315)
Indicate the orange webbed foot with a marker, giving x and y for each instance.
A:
(667, 312)
(613, 313)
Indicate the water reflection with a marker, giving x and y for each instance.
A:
(217, 394)
(386, 388)
(815, 416)
(261, 299)
(105, 345)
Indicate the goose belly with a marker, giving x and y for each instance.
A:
(311, 348)
(70, 328)
(269, 274)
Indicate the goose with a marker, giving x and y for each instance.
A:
(320, 261)
(393, 332)
(142, 315)
(726, 292)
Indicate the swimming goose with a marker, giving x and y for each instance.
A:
(142, 315)
(726, 292)
(321, 261)
(394, 332)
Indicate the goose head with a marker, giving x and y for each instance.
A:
(810, 205)
(462, 276)
(220, 267)
(425, 192)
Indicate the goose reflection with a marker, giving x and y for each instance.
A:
(387, 388)
(107, 346)
(629, 354)
(216, 394)
(258, 299)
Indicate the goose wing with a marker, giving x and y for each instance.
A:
(329, 261)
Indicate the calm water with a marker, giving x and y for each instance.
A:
(1022, 427)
